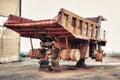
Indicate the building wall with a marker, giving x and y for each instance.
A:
(9, 45)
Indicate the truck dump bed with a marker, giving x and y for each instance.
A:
(65, 24)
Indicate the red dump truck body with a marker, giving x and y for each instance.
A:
(68, 30)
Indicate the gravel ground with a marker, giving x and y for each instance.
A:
(109, 69)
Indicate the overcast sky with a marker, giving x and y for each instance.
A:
(47, 9)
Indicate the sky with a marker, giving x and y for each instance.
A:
(47, 9)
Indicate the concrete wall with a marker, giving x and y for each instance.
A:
(9, 45)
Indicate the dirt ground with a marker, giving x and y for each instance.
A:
(28, 69)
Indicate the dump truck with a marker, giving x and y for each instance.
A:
(67, 36)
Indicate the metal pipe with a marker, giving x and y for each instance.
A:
(66, 40)
(31, 43)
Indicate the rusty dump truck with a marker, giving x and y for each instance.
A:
(65, 37)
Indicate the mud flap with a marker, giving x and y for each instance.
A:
(81, 63)
(44, 66)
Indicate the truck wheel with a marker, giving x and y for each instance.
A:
(81, 63)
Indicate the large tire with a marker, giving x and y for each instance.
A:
(75, 55)
(98, 57)
(64, 54)
(35, 53)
